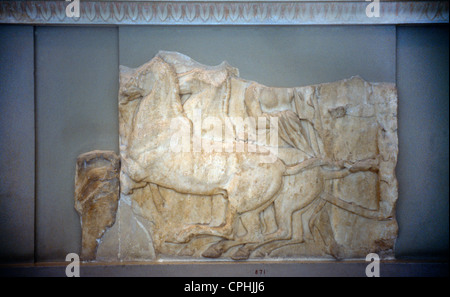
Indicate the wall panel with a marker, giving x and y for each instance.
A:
(76, 89)
(284, 56)
(16, 144)
(422, 171)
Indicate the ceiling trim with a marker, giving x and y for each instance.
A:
(224, 12)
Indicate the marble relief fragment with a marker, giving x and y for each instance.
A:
(216, 166)
(96, 197)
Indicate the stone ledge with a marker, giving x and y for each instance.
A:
(355, 268)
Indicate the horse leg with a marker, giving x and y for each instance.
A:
(325, 232)
(252, 225)
(285, 235)
(268, 246)
(285, 207)
(224, 230)
(315, 216)
(267, 197)
(249, 206)
(284, 232)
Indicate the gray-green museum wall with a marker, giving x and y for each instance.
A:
(76, 112)
(17, 139)
(422, 171)
(69, 107)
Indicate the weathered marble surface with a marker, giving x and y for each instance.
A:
(96, 196)
(312, 175)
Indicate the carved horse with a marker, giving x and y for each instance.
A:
(149, 100)
(247, 184)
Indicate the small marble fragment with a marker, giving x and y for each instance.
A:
(96, 196)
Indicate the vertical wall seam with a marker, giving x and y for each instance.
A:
(35, 143)
(118, 87)
(396, 54)
(398, 141)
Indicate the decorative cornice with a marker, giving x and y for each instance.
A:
(223, 12)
